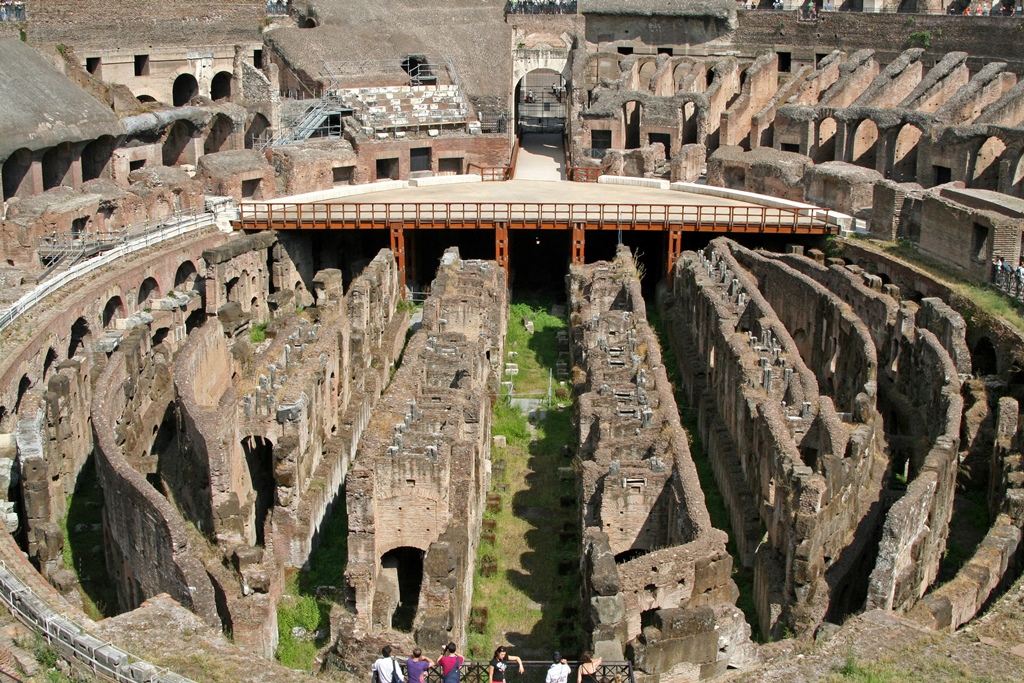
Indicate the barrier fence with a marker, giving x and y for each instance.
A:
(534, 216)
(533, 672)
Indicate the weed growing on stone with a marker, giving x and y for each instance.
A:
(258, 333)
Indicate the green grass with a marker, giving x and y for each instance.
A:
(910, 667)
(713, 499)
(533, 598)
(302, 605)
(258, 333)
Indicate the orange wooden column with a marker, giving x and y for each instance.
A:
(501, 246)
(398, 249)
(675, 247)
(579, 236)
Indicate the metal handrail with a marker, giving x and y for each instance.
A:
(527, 215)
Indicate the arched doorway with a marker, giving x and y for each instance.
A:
(15, 172)
(632, 112)
(540, 102)
(985, 175)
(149, 289)
(185, 89)
(254, 132)
(185, 276)
(219, 137)
(175, 147)
(865, 150)
(220, 87)
(826, 147)
(904, 161)
(689, 123)
(401, 575)
(48, 361)
(983, 358)
(56, 166)
(96, 158)
(646, 74)
(80, 333)
(113, 310)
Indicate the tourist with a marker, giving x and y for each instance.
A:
(587, 673)
(386, 669)
(417, 666)
(496, 669)
(559, 670)
(450, 662)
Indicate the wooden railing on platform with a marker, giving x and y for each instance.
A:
(586, 174)
(491, 174)
(534, 216)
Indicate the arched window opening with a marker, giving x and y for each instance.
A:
(220, 87)
(184, 90)
(401, 574)
(79, 334)
(114, 310)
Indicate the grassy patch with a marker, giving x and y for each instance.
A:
(532, 599)
(303, 604)
(258, 333)
(713, 499)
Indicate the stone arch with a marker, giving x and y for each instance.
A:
(175, 147)
(149, 289)
(220, 86)
(545, 112)
(96, 158)
(185, 276)
(689, 123)
(401, 570)
(259, 456)
(1017, 178)
(985, 172)
(219, 137)
(680, 73)
(16, 172)
(551, 60)
(645, 74)
(306, 22)
(826, 147)
(864, 149)
(80, 334)
(23, 386)
(145, 99)
(258, 125)
(57, 166)
(632, 118)
(904, 160)
(184, 90)
(48, 361)
(983, 358)
(113, 310)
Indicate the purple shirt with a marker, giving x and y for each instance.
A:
(416, 669)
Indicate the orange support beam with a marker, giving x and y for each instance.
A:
(579, 236)
(501, 246)
(398, 249)
(675, 247)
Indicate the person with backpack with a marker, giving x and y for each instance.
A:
(559, 670)
(386, 669)
(451, 663)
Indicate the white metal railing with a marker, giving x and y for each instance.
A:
(73, 642)
(182, 226)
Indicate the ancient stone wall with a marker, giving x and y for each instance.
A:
(780, 450)
(146, 23)
(422, 468)
(656, 578)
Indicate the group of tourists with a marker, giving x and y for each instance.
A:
(1008, 278)
(990, 9)
(388, 670)
(12, 10)
(542, 7)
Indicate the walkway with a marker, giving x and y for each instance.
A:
(541, 157)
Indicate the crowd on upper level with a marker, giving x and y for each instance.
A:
(12, 10)
(541, 7)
